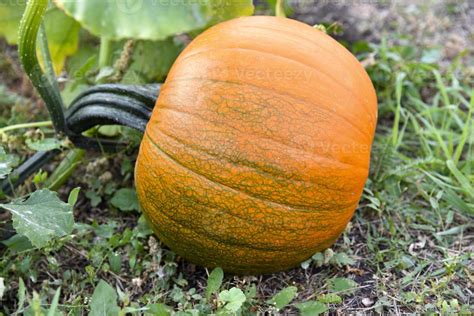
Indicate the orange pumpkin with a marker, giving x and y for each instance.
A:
(258, 148)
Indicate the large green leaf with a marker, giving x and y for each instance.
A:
(10, 16)
(63, 36)
(151, 19)
(41, 217)
(62, 30)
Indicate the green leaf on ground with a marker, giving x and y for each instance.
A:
(125, 200)
(46, 144)
(284, 297)
(311, 308)
(104, 301)
(214, 282)
(41, 217)
(342, 285)
(234, 298)
(150, 19)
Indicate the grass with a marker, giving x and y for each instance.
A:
(408, 248)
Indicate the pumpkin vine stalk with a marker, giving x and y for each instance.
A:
(118, 104)
(29, 27)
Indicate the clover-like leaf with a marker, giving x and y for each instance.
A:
(151, 19)
(234, 298)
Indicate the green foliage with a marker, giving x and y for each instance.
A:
(104, 301)
(152, 60)
(214, 282)
(10, 16)
(63, 36)
(342, 285)
(151, 20)
(311, 308)
(62, 30)
(232, 299)
(45, 144)
(284, 297)
(41, 217)
(6, 163)
(125, 199)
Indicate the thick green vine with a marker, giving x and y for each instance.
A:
(29, 26)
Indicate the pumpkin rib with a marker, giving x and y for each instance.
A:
(243, 244)
(348, 59)
(250, 165)
(325, 159)
(226, 242)
(162, 105)
(158, 148)
(284, 190)
(274, 91)
(277, 264)
(259, 221)
(273, 55)
(268, 212)
(296, 207)
(361, 74)
(237, 245)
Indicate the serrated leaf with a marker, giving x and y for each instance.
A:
(45, 144)
(234, 298)
(284, 297)
(342, 285)
(104, 301)
(311, 308)
(151, 19)
(125, 200)
(214, 282)
(41, 217)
